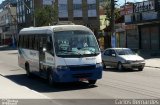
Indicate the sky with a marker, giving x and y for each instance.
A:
(1, 1)
(121, 2)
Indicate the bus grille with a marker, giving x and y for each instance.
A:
(82, 75)
(86, 67)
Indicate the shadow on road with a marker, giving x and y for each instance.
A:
(110, 69)
(40, 85)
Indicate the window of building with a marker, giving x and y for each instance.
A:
(92, 8)
(77, 8)
(31, 4)
(63, 8)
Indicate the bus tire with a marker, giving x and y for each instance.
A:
(104, 66)
(50, 78)
(28, 73)
(92, 82)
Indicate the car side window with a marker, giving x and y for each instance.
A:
(107, 53)
(113, 52)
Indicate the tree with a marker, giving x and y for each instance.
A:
(107, 7)
(112, 12)
(46, 16)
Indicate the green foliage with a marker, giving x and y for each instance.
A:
(107, 8)
(45, 16)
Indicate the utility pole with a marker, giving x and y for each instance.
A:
(112, 20)
(55, 12)
(112, 16)
(32, 10)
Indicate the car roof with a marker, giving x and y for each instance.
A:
(116, 48)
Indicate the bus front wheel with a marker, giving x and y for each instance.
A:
(50, 78)
(92, 82)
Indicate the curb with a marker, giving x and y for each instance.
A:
(153, 67)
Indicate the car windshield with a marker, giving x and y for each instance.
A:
(75, 43)
(124, 52)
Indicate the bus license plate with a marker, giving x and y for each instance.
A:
(83, 79)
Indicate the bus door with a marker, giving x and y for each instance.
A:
(46, 53)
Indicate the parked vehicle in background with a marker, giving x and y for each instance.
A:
(122, 58)
(60, 53)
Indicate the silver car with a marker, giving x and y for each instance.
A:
(122, 58)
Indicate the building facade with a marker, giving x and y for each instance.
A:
(83, 12)
(8, 25)
(5, 2)
(143, 26)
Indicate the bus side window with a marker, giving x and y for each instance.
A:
(36, 42)
(24, 41)
(19, 40)
(27, 43)
(31, 41)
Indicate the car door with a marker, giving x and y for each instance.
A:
(106, 58)
(113, 59)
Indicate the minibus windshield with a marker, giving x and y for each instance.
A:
(75, 44)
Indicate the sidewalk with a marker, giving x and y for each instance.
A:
(152, 58)
(153, 62)
(11, 90)
(14, 94)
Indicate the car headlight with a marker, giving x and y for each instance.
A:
(142, 60)
(62, 67)
(98, 65)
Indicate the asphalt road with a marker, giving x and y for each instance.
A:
(114, 85)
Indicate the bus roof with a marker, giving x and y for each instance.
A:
(46, 29)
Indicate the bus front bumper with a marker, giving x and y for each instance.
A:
(77, 75)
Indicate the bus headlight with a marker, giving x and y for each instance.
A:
(62, 67)
(98, 65)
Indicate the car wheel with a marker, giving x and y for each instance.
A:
(120, 66)
(104, 66)
(140, 69)
(92, 82)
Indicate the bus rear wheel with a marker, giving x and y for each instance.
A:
(92, 82)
